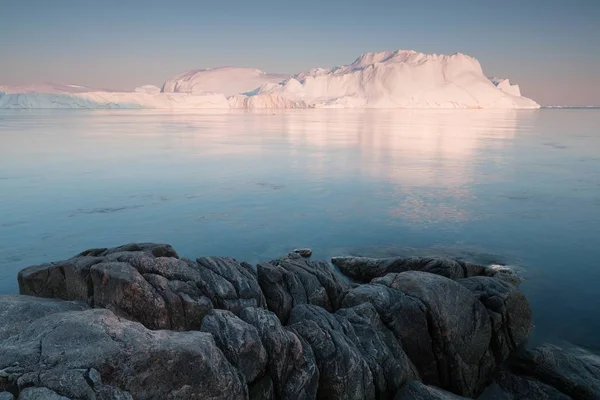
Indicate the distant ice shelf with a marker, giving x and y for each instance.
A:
(391, 79)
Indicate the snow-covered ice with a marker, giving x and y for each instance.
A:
(147, 89)
(226, 80)
(390, 79)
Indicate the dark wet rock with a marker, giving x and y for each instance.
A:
(152, 249)
(444, 330)
(73, 383)
(290, 360)
(305, 252)
(61, 350)
(390, 366)
(6, 396)
(417, 391)
(148, 283)
(406, 318)
(362, 326)
(459, 328)
(40, 393)
(509, 311)
(234, 284)
(573, 372)
(343, 372)
(239, 341)
(293, 280)
(523, 388)
(503, 273)
(262, 389)
(365, 269)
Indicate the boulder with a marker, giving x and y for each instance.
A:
(290, 360)
(362, 328)
(443, 328)
(417, 391)
(293, 280)
(6, 396)
(82, 354)
(239, 341)
(343, 372)
(304, 252)
(522, 388)
(459, 328)
(406, 318)
(509, 311)
(148, 283)
(40, 393)
(365, 269)
(574, 372)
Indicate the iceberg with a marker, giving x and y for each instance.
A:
(227, 80)
(389, 79)
(401, 79)
(147, 89)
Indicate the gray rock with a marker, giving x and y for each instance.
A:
(262, 389)
(234, 284)
(293, 280)
(459, 328)
(6, 396)
(390, 366)
(291, 363)
(406, 318)
(365, 269)
(19, 311)
(148, 283)
(444, 330)
(40, 393)
(305, 252)
(573, 372)
(417, 391)
(343, 372)
(362, 327)
(59, 350)
(239, 341)
(509, 311)
(522, 388)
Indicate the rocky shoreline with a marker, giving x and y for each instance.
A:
(140, 322)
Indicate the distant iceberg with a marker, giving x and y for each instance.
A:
(226, 80)
(147, 89)
(391, 79)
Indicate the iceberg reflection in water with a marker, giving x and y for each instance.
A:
(516, 187)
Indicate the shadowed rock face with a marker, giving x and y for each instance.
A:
(418, 391)
(454, 354)
(509, 311)
(291, 362)
(573, 372)
(291, 329)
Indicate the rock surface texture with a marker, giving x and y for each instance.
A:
(139, 322)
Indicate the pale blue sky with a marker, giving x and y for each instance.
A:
(550, 47)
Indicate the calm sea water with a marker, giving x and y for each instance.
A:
(518, 188)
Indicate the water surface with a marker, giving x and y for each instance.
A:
(518, 188)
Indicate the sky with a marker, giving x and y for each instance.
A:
(551, 48)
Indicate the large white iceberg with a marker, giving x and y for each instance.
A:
(400, 79)
(391, 79)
